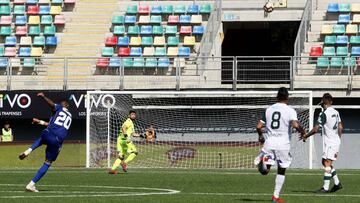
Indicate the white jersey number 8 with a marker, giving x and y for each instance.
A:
(63, 120)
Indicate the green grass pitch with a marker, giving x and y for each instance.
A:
(66, 184)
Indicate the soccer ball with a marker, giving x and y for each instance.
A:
(269, 7)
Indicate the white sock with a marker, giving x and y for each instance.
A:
(28, 151)
(335, 177)
(31, 183)
(279, 181)
(327, 178)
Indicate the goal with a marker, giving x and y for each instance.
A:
(194, 129)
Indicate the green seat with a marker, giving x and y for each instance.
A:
(39, 41)
(205, 9)
(128, 62)
(339, 29)
(4, 1)
(49, 30)
(160, 51)
(330, 40)
(46, 20)
(117, 20)
(2, 51)
(336, 62)
(107, 51)
(173, 41)
(147, 41)
(355, 40)
(5, 31)
(34, 31)
(119, 30)
(342, 51)
(139, 62)
(29, 62)
(350, 61)
(133, 30)
(180, 9)
(322, 62)
(5, 10)
(346, 8)
(151, 62)
(155, 19)
(169, 9)
(19, 10)
(132, 9)
(329, 51)
(158, 30)
(171, 29)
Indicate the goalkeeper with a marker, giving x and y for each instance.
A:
(125, 145)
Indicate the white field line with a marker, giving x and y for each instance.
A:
(270, 194)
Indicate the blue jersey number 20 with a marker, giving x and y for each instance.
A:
(63, 120)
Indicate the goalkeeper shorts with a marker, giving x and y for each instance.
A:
(125, 147)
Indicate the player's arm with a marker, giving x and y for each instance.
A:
(340, 129)
(313, 131)
(39, 122)
(48, 101)
(297, 126)
(259, 130)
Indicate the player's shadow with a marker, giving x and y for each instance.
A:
(251, 200)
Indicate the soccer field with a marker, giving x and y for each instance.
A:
(171, 185)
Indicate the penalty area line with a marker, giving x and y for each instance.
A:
(270, 194)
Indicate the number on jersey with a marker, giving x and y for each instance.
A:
(63, 120)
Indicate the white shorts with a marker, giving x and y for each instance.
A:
(330, 152)
(282, 157)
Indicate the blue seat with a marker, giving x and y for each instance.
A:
(193, 9)
(51, 41)
(333, 8)
(4, 62)
(146, 30)
(135, 51)
(123, 41)
(31, 1)
(198, 30)
(44, 10)
(156, 10)
(114, 63)
(355, 51)
(24, 51)
(10, 41)
(184, 51)
(344, 19)
(20, 20)
(185, 19)
(342, 39)
(163, 62)
(130, 19)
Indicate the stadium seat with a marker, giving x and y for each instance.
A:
(342, 51)
(59, 20)
(5, 31)
(198, 30)
(117, 20)
(355, 8)
(4, 63)
(34, 20)
(55, 10)
(327, 29)
(356, 19)
(342, 40)
(158, 30)
(150, 62)
(149, 51)
(2, 51)
(163, 62)
(144, 10)
(168, 9)
(147, 41)
(10, 41)
(56, 2)
(330, 40)
(111, 41)
(349, 61)
(130, 19)
(7, 2)
(21, 31)
(322, 62)
(193, 9)
(49, 31)
(124, 51)
(155, 19)
(339, 29)
(132, 9)
(316, 51)
(196, 19)
(128, 62)
(5, 20)
(107, 51)
(46, 20)
(133, 30)
(31, 2)
(10, 52)
(185, 19)
(135, 41)
(344, 19)
(51, 41)
(172, 51)
(24, 51)
(329, 51)
(19, 1)
(25, 41)
(184, 51)
(102, 62)
(160, 51)
(355, 51)
(15, 62)
(355, 40)
(33, 10)
(144, 20)
(5, 10)
(159, 41)
(119, 30)
(179, 62)
(39, 41)
(189, 40)
(205, 9)
(19, 9)
(123, 41)
(171, 30)
(69, 1)
(173, 19)
(173, 41)
(336, 62)
(344, 8)
(184, 30)
(333, 8)
(20, 20)
(156, 9)
(180, 9)
(146, 30)
(44, 10)
(114, 62)
(44, 1)
(135, 51)
(351, 29)
(29, 62)
(139, 62)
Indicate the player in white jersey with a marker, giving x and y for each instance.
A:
(332, 129)
(278, 120)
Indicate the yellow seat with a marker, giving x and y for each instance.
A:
(149, 51)
(44, 2)
(196, 19)
(351, 29)
(55, 10)
(25, 41)
(327, 29)
(355, 8)
(36, 51)
(356, 18)
(144, 19)
(159, 41)
(15, 62)
(34, 20)
(172, 51)
(135, 41)
(189, 40)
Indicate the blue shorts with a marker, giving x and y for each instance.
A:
(53, 145)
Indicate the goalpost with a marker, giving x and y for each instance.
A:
(194, 129)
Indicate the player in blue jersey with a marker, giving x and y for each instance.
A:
(53, 137)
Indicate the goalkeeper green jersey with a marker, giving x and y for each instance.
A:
(129, 126)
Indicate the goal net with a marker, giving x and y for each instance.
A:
(203, 129)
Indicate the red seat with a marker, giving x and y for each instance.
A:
(359, 61)
(124, 51)
(111, 41)
(33, 10)
(102, 63)
(69, 1)
(10, 52)
(19, 1)
(184, 30)
(59, 20)
(6, 20)
(316, 51)
(173, 19)
(144, 10)
(21, 31)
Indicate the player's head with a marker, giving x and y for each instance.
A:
(132, 114)
(327, 100)
(283, 95)
(7, 125)
(64, 103)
